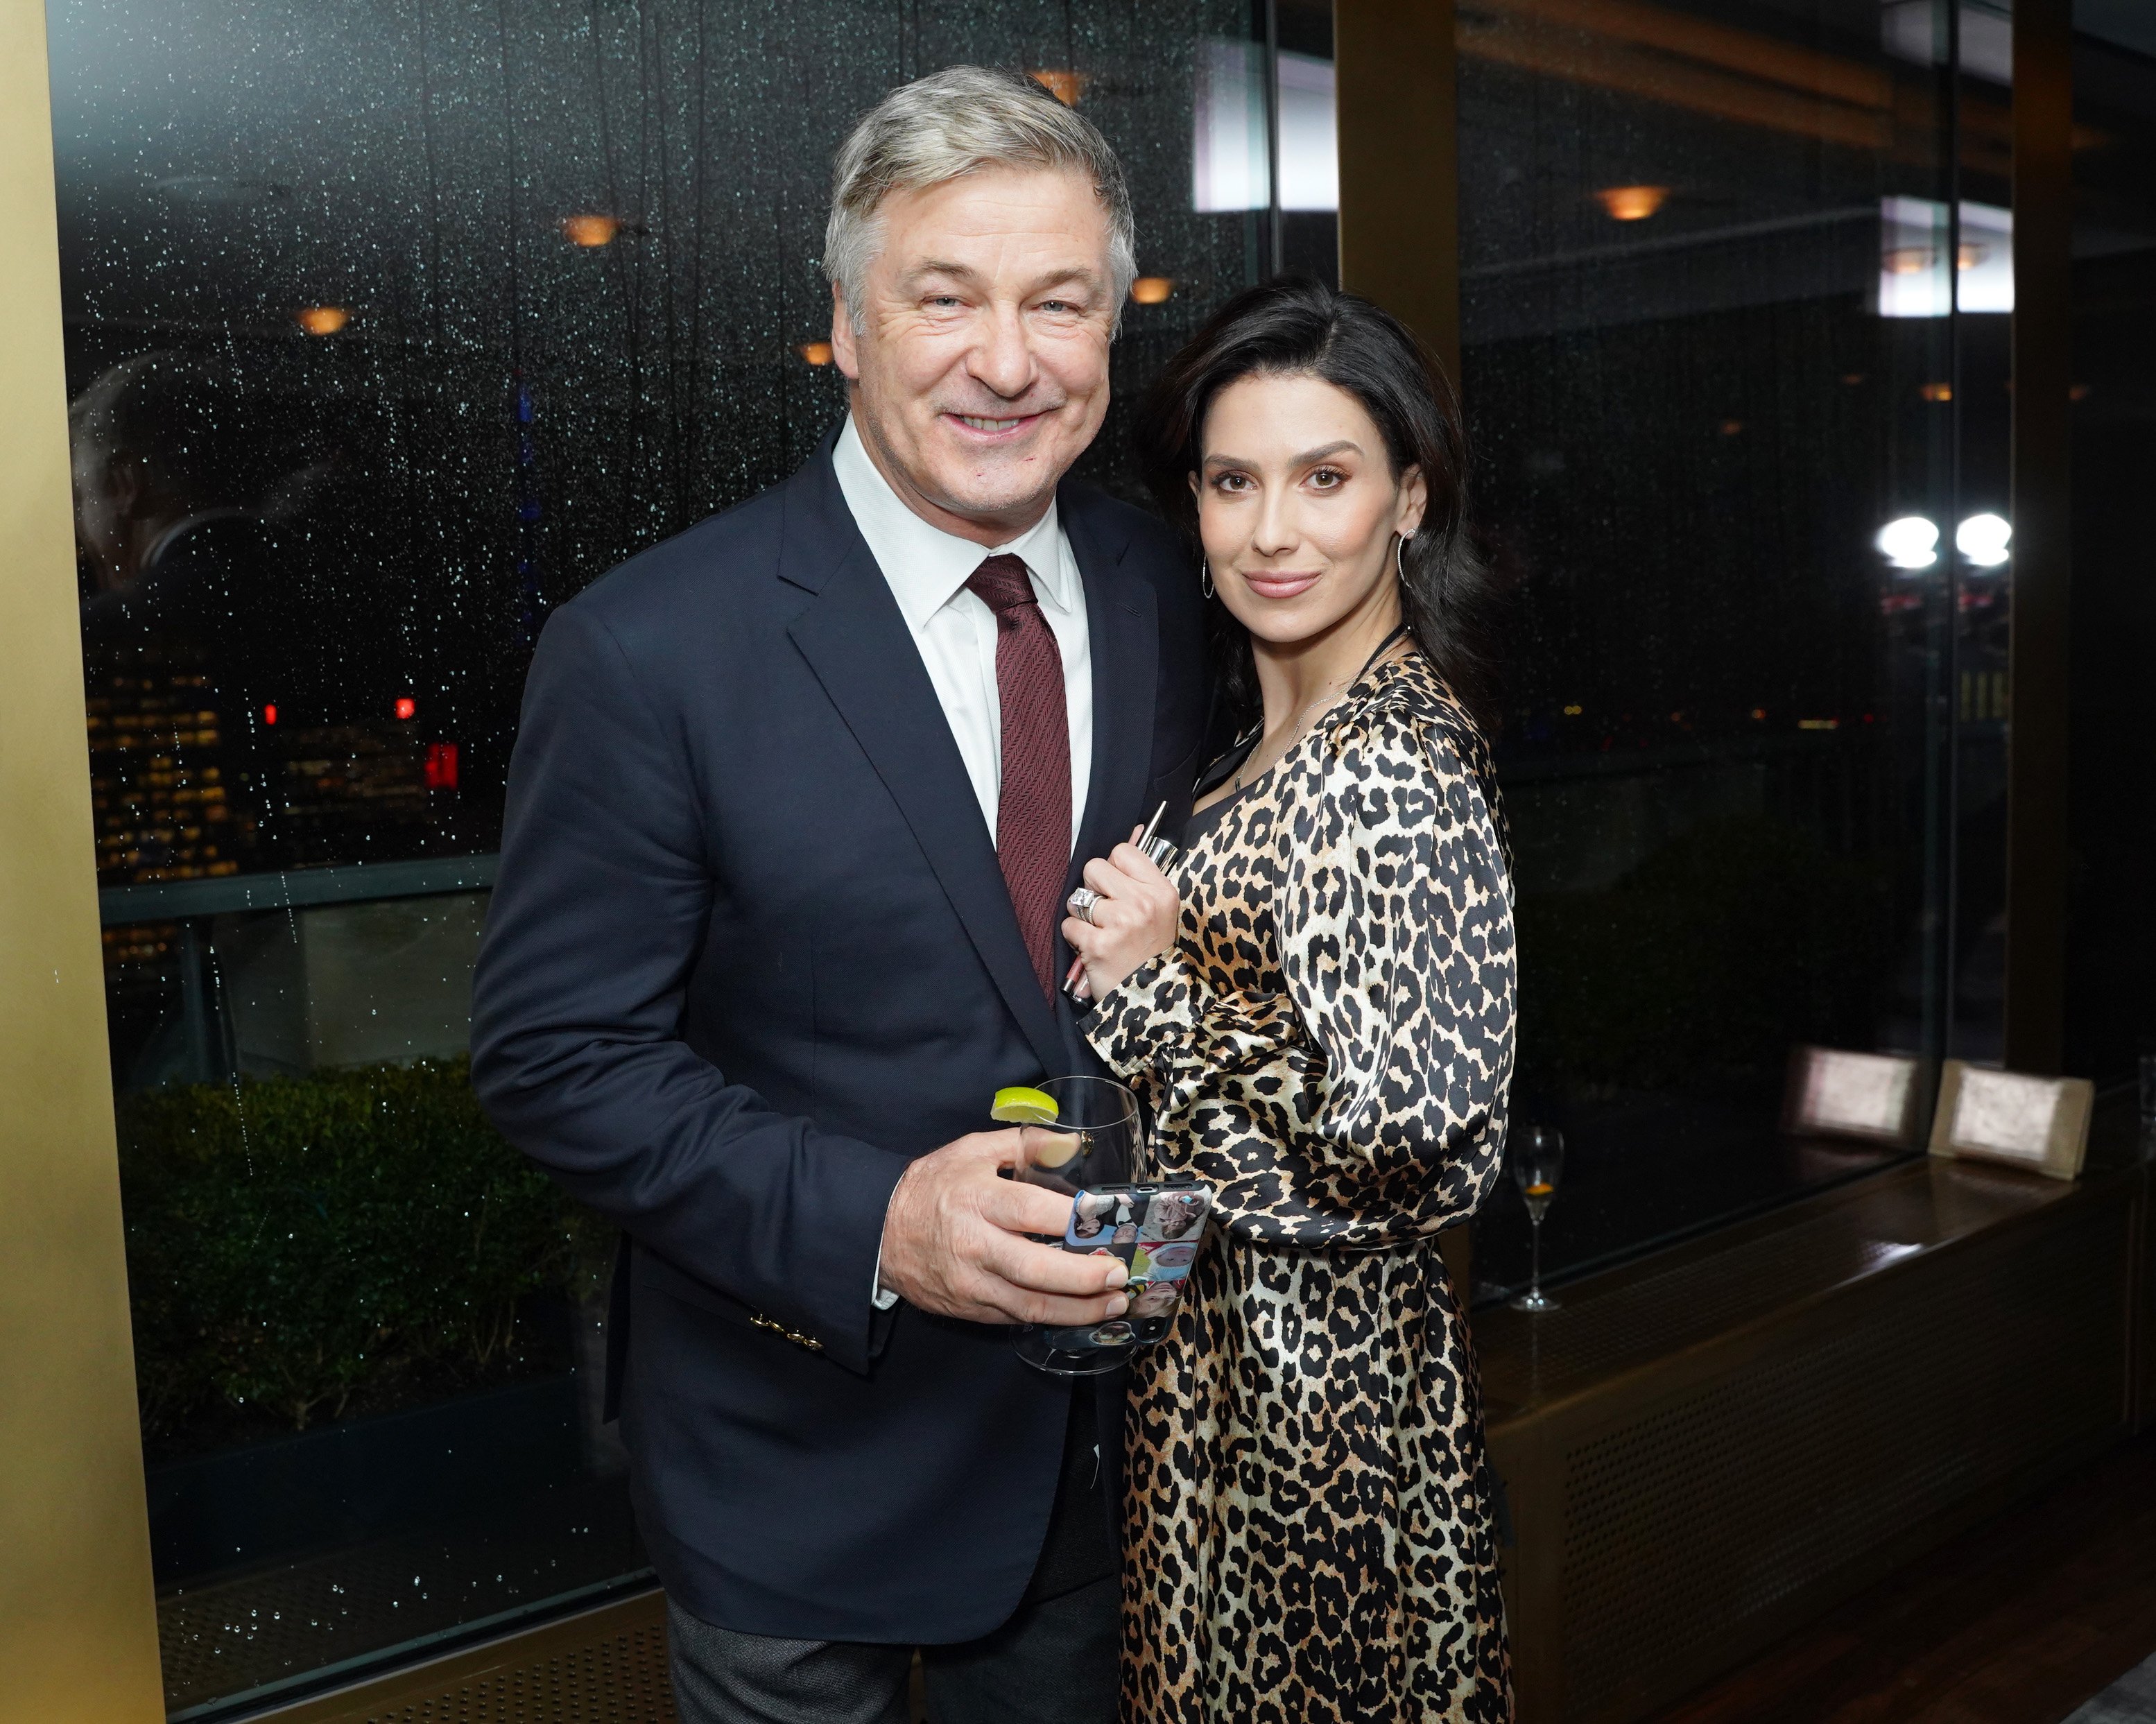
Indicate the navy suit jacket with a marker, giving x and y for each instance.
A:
(750, 952)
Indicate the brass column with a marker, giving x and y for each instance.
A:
(78, 1625)
(1399, 179)
(2036, 844)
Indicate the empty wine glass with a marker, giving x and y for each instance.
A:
(1536, 1155)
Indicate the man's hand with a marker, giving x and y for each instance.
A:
(954, 1244)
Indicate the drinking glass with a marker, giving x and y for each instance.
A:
(1093, 1141)
(1536, 1155)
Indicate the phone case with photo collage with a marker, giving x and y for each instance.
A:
(1156, 1230)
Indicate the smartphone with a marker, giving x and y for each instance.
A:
(1156, 1231)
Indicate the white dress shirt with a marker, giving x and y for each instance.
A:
(955, 632)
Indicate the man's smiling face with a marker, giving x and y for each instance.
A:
(981, 372)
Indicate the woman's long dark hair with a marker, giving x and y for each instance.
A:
(1300, 327)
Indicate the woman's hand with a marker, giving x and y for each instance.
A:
(1129, 921)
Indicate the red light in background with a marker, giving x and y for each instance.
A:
(441, 766)
(406, 707)
(269, 713)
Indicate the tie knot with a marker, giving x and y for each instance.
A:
(1002, 584)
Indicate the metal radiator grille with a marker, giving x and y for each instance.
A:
(621, 1680)
(608, 1666)
(1685, 1524)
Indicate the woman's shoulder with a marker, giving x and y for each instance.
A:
(1406, 727)
(1404, 708)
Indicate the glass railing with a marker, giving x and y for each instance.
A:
(369, 1337)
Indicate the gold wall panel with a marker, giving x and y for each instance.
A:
(78, 1630)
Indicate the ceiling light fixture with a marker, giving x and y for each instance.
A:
(590, 230)
(1066, 87)
(1982, 540)
(1632, 204)
(1910, 543)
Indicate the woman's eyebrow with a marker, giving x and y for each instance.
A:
(1344, 446)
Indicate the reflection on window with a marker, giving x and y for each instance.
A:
(387, 332)
(2110, 941)
(1230, 159)
(1744, 453)
(1914, 239)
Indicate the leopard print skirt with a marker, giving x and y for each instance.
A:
(1306, 1536)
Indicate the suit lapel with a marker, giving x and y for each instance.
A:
(856, 642)
(1123, 632)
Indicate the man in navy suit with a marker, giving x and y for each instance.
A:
(796, 805)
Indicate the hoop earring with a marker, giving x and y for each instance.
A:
(1400, 556)
(1205, 575)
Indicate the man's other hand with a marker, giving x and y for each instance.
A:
(954, 1242)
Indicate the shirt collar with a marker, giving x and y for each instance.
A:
(925, 566)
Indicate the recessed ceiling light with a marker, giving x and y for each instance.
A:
(1066, 87)
(590, 229)
(1983, 539)
(1632, 204)
(1910, 543)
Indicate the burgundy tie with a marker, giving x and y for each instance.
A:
(1033, 814)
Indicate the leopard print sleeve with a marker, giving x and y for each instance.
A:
(1172, 1031)
(1330, 1044)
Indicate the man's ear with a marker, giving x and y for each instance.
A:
(842, 336)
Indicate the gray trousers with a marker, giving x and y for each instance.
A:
(1053, 1663)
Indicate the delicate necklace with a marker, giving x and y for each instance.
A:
(1324, 694)
(1304, 712)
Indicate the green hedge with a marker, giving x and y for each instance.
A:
(293, 1243)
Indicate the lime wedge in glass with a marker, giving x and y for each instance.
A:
(1021, 1106)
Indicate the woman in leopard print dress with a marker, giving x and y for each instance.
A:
(1318, 1009)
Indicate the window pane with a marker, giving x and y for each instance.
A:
(389, 328)
(1730, 415)
(2111, 1014)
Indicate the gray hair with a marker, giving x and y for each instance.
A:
(948, 124)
